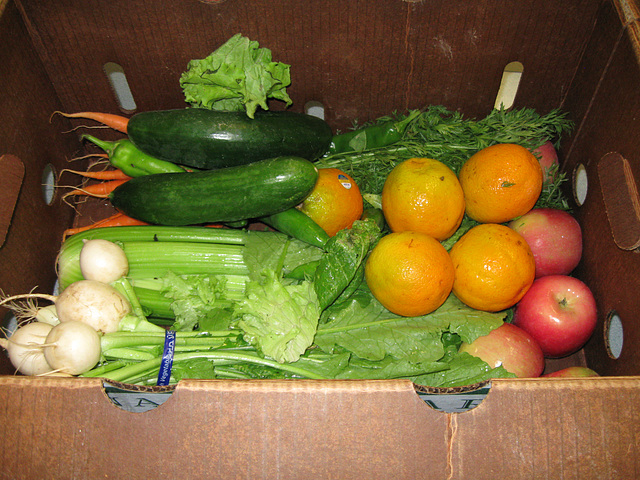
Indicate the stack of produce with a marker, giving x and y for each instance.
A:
(394, 250)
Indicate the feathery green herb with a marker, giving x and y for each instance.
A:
(450, 138)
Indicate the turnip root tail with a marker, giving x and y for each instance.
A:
(24, 311)
(26, 296)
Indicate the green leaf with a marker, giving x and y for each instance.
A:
(274, 250)
(237, 76)
(388, 368)
(364, 327)
(280, 320)
(345, 253)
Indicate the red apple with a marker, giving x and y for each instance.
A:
(555, 238)
(548, 158)
(560, 312)
(511, 347)
(572, 372)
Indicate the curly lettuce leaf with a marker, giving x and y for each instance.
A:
(196, 299)
(279, 319)
(237, 76)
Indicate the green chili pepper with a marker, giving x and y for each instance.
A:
(298, 225)
(123, 154)
(374, 136)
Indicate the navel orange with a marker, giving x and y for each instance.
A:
(423, 195)
(500, 183)
(409, 273)
(494, 267)
(335, 202)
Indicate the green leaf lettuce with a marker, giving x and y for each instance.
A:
(237, 76)
(279, 319)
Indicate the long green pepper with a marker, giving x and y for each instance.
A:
(123, 154)
(380, 134)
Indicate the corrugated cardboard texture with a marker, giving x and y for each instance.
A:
(524, 429)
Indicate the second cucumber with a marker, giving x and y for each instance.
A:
(227, 194)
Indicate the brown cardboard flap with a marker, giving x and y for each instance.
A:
(221, 429)
(621, 200)
(551, 428)
(538, 428)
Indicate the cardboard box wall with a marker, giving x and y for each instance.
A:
(360, 60)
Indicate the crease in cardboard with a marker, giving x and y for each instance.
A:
(452, 430)
(594, 94)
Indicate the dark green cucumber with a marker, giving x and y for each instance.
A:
(228, 194)
(208, 139)
(298, 225)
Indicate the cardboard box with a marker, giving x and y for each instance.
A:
(360, 60)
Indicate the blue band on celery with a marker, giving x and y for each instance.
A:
(164, 375)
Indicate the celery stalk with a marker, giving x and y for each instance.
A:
(157, 239)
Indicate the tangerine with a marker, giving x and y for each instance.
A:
(409, 273)
(500, 183)
(423, 195)
(335, 201)
(494, 267)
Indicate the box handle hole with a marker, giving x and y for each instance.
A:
(314, 108)
(118, 81)
(613, 335)
(48, 183)
(580, 184)
(511, 77)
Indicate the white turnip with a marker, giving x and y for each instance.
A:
(72, 348)
(95, 303)
(25, 348)
(103, 261)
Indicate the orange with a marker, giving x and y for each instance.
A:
(500, 183)
(409, 273)
(423, 195)
(335, 202)
(494, 267)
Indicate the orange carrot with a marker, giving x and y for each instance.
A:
(98, 190)
(112, 174)
(115, 220)
(117, 122)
